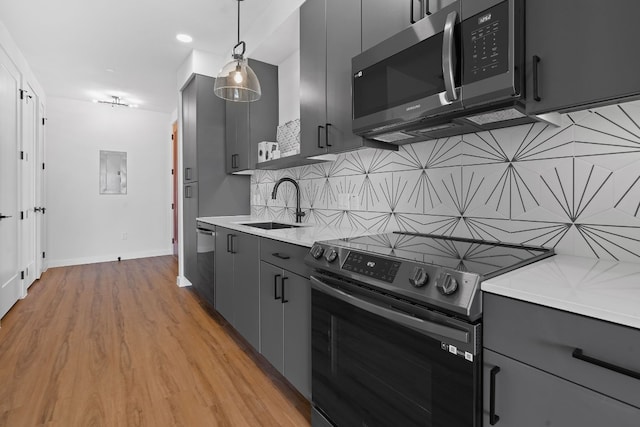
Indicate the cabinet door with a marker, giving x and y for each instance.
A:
(224, 274)
(344, 41)
(263, 113)
(271, 315)
(189, 150)
(383, 18)
(189, 215)
(246, 290)
(297, 332)
(527, 397)
(583, 46)
(237, 136)
(313, 78)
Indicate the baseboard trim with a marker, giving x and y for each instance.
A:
(183, 282)
(107, 258)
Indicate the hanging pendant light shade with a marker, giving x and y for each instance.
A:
(236, 81)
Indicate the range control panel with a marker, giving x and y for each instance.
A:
(371, 266)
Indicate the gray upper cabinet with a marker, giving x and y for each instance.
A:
(249, 123)
(580, 51)
(548, 367)
(313, 77)
(330, 35)
(237, 271)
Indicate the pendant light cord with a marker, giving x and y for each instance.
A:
(239, 21)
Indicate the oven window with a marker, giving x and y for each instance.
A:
(410, 75)
(368, 371)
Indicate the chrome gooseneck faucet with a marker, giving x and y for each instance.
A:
(299, 213)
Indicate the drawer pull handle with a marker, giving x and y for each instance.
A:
(281, 256)
(579, 354)
(493, 417)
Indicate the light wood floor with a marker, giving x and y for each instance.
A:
(119, 344)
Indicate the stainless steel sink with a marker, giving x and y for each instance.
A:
(269, 225)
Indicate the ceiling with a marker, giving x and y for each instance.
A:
(94, 49)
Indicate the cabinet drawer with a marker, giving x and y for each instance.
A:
(285, 255)
(528, 397)
(547, 338)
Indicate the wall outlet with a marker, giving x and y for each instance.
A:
(354, 202)
(124, 236)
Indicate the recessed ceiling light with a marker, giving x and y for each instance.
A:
(109, 70)
(184, 38)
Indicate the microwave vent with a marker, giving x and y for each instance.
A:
(392, 137)
(496, 116)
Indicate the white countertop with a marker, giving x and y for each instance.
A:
(304, 235)
(606, 290)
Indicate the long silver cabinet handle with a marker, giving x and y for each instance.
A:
(448, 47)
(424, 326)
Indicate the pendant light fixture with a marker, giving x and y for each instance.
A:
(236, 81)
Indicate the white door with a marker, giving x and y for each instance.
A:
(28, 186)
(41, 230)
(10, 287)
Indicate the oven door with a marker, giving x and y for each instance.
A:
(375, 365)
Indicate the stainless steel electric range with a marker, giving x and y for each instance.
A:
(396, 327)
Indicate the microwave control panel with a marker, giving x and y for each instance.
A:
(485, 44)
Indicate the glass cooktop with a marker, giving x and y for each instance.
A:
(487, 259)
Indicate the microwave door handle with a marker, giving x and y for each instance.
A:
(448, 52)
(423, 326)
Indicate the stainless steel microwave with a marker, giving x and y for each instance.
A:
(459, 70)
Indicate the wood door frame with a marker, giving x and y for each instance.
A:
(174, 172)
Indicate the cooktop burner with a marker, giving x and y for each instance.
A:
(487, 259)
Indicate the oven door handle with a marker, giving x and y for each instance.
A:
(420, 325)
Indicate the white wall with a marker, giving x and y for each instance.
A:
(289, 88)
(85, 226)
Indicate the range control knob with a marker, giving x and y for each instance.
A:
(331, 255)
(317, 251)
(418, 277)
(447, 284)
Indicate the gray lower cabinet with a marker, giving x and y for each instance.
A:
(580, 53)
(190, 212)
(285, 324)
(237, 282)
(528, 397)
(549, 367)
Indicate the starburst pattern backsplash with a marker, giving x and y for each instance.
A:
(575, 188)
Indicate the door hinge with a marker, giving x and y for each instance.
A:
(172, 137)
(173, 240)
(43, 166)
(21, 214)
(22, 275)
(22, 91)
(173, 206)
(172, 171)
(43, 119)
(22, 155)
(44, 255)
